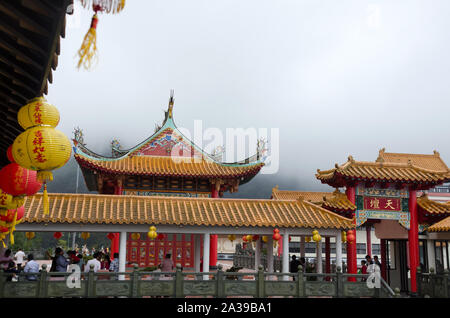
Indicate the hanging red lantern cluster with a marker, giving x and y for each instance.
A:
(16, 182)
(276, 235)
(111, 236)
(57, 235)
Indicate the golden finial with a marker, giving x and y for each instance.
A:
(275, 188)
(436, 153)
(171, 102)
(336, 166)
(350, 158)
(382, 150)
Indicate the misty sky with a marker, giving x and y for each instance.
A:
(335, 77)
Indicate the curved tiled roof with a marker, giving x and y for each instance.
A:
(121, 209)
(441, 226)
(338, 202)
(433, 207)
(168, 166)
(311, 196)
(384, 171)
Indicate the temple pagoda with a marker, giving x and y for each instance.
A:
(165, 164)
(384, 194)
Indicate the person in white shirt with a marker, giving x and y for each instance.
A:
(31, 267)
(95, 261)
(19, 258)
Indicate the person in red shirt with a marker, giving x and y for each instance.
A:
(363, 269)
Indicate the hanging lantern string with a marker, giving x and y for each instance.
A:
(88, 49)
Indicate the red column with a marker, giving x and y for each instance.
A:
(327, 256)
(214, 237)
(383, 258)
(413, 239)
(369, 240)
(115, 241)
(352, 265)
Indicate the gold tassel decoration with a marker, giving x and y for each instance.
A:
(13, 228)
(88, 50)
(45, 198)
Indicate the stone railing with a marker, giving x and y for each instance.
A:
(248, 261)
(433, 285)
(181, 284)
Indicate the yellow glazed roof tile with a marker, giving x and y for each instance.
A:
(111, 209)
(338, 201)
(433, 207)
(311, 196)
(389, 167)
(441, 226)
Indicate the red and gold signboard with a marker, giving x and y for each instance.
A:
(384, 204)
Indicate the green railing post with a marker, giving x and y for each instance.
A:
(339, 282)
(2, 283)
(178, 282)
(301, 283)
(91, 282)
(432, 282)
(445, 282)
(220, 291)
(134, 281)
(43, 282)
(419, 281)
(260, 282)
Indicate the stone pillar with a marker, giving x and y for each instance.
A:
(206, 247)
(319, 257)
(431, 255)
(122, 254)
(257, 253)
(338, 251)
(286, 254)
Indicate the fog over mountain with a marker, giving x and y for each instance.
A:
(336, 78)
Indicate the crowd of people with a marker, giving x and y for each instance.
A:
(20, 262)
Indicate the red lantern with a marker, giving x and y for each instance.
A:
(16, 180)
(276, 231)
(244, 238)
(276, 236)
(20, 213)
(110, 236)
(9, 154)
(350, 236)
(4, 229)
(289, 238)
(160, 236)
(57, 235)
(255, 237)
(8, 217)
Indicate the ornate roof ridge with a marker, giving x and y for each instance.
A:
(386, 164)
(326, 210)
